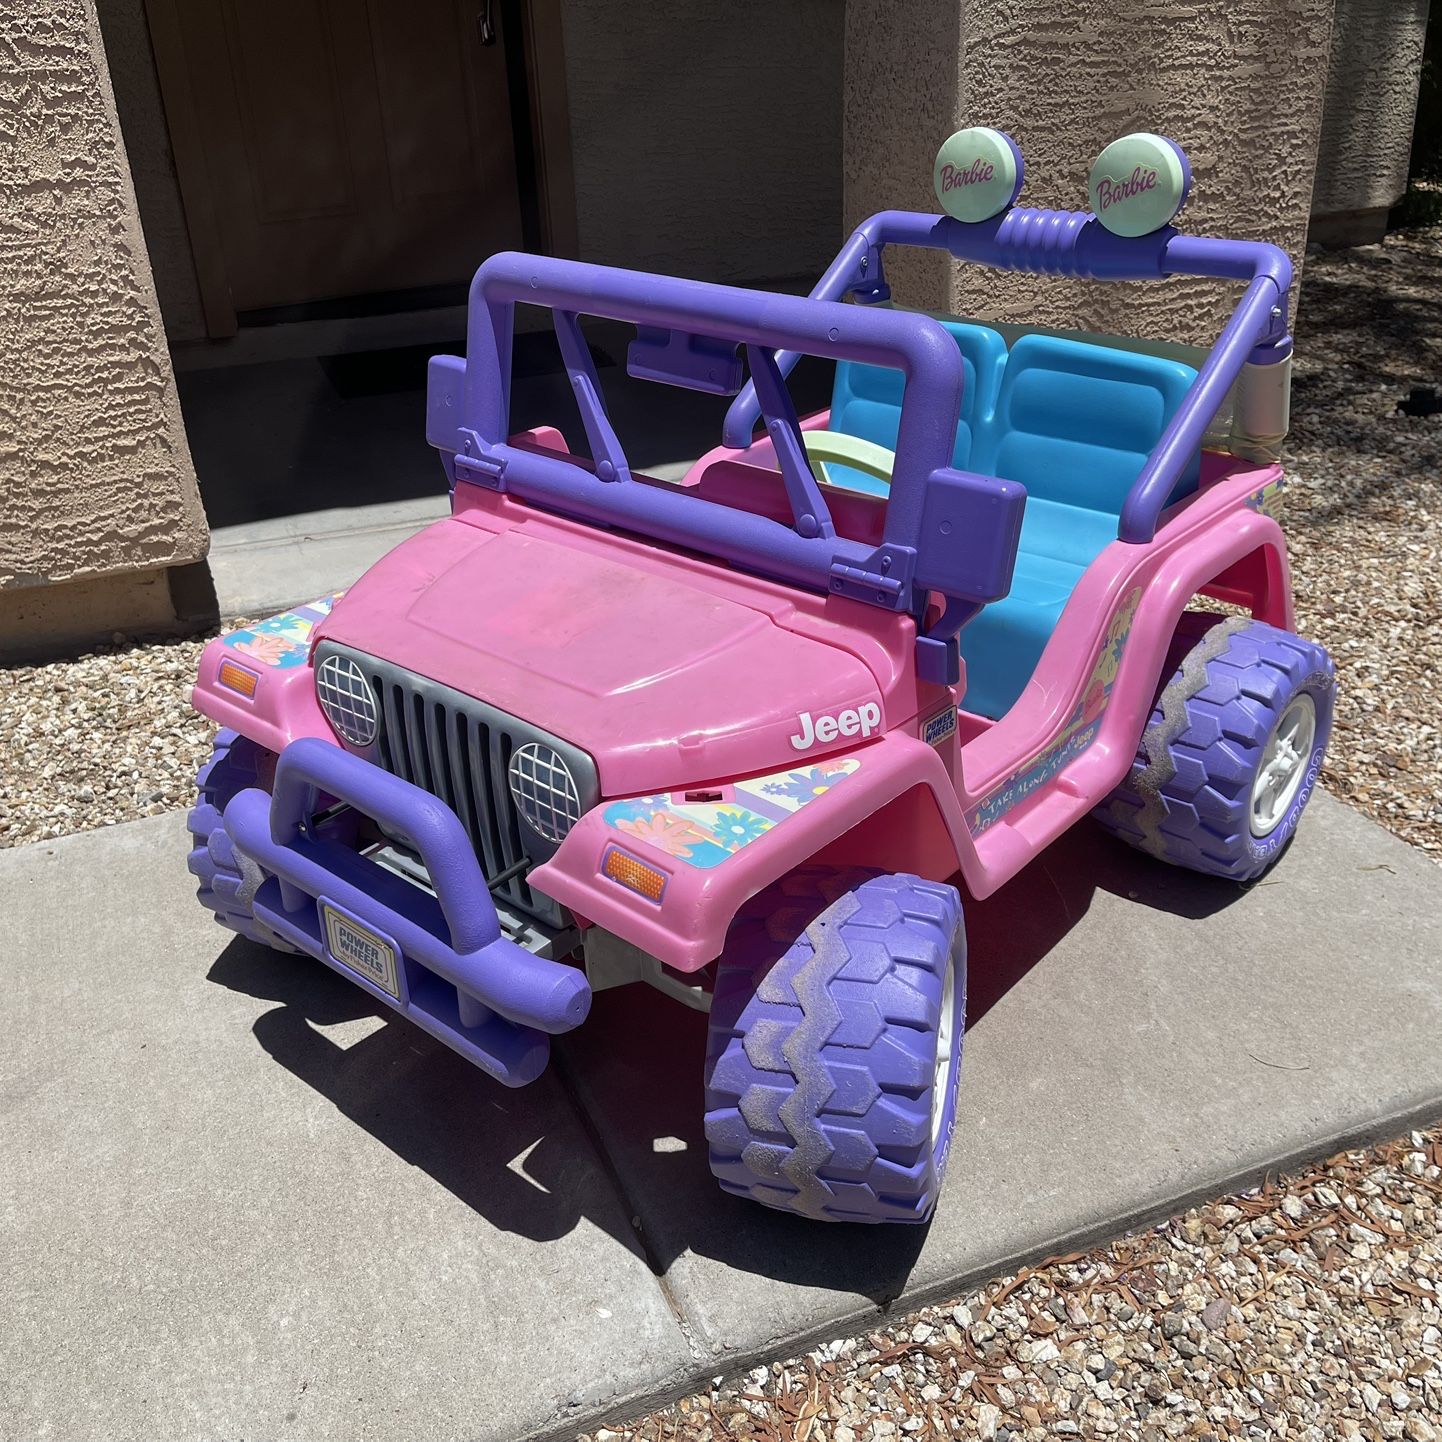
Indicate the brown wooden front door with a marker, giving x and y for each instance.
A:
(347, 146)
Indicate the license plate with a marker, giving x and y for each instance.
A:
(364, 951)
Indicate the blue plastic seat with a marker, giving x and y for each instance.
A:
(866, 401)
(1074, 423)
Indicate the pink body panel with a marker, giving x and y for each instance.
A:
(688, 928)
(670, 671)
(276, 654)
(677, 674)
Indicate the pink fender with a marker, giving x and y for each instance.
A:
(272, 660)
(703, 891)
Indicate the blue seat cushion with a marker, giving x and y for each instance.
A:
(998, 643)
(1074, 423)
(866, 401)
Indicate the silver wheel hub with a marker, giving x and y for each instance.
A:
(1284, 764)
(945, 1031)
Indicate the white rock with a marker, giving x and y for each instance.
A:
(987, 1416)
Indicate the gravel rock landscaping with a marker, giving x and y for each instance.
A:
(104, 738)
(1363, 516)
(1307, 1308)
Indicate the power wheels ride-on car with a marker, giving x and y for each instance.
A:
(749, 736)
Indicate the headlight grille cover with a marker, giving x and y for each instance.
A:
(545, 790)
(347, 699)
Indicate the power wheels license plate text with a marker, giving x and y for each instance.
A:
(362, 950)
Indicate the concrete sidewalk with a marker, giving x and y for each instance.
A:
(237, 1201)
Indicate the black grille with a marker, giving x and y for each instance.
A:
(459, 749)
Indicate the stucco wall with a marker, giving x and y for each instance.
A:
(707, 138)
(1239, 85)
(94, 470)
(1371, 100)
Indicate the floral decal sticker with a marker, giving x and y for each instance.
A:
(1268, 499)
(674, 834)
(1078, 733)
(283, 641)
(706, 833)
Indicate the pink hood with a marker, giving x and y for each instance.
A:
(668, 671)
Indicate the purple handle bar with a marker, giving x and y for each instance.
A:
(1074, 243)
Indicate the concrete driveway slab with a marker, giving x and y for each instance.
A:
(1137, 1036)
(237, 1202)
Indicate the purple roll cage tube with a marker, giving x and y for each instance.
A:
(947, 531)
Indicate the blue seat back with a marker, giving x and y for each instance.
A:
(866, 400)
(1075, 422)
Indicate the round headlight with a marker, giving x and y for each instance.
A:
(347, 699)
(545, 791)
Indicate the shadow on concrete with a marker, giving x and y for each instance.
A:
(422, 1101)
(634, 1073)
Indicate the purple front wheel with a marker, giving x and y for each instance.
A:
(228, 880)
(835, 1046)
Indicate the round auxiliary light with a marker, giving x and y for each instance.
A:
(347, 699)
(1139, 183)
(544, 789)
(978, 173)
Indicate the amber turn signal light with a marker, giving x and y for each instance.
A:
(633, 873)
(238, 679)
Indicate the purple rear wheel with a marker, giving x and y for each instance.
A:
(1232, 751)
(835, 1046)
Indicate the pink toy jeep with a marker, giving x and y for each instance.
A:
(750, 736)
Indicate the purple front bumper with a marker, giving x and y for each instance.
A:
(441, 961)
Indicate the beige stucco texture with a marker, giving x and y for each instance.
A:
(1239, 85)
(1367, 123)
(95, 475)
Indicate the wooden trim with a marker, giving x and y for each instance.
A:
(168, 43)
(550, 126)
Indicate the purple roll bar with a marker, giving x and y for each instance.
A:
(1074, 243)
(946, 531)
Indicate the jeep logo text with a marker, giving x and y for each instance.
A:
(859, 722)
